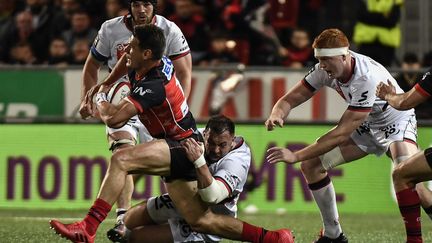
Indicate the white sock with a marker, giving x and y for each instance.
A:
(326, 200)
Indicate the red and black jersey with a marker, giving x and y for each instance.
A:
(160, 102)
(424, 86)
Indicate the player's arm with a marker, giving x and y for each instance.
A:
(349, 121)
(90, 74)
(403, 101)
(406, 100)
(210, 189)
(114, 116)
(183, 68)
(294, 97)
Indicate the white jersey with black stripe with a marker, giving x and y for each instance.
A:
(359, 91)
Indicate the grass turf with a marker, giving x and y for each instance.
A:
(32, 225)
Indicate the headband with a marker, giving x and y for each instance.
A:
(330, 52)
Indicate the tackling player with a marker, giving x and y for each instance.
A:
(109, 46)
(368, 126)
(228, 159)
(158, 100)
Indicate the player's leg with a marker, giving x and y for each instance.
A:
(201, 219)
(315, 173)
(128, 135)
(151, 158)
(417, 168)
(407, 172)
(118, 139)
(424, 193)
(148, 221)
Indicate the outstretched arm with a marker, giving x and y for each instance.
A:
(294, 97)
(349, 121)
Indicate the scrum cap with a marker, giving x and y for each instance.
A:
(152, 2)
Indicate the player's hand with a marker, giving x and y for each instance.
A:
(273, 121)
(384, 89)
(276, 154)
(104, 88)
(85, 110)
(193, 148)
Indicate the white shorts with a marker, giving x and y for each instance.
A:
(135, 128)
(162, 210)
(377, 140)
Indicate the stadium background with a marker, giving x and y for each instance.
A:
(52, 162)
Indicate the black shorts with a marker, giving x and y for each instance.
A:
(181, 167)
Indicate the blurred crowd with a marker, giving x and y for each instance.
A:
(250, 32)
(258, 32)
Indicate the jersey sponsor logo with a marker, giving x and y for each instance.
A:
(167, 68)
(142, 92)
(163, 201)
(185, 229)
(229, 179)
(390, 130)
(363, 129)
(121, 49)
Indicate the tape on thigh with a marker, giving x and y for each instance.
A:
(401, 159)
(332, 158)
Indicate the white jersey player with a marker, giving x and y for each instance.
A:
(228, 159)
(384, 124)
(368, 126)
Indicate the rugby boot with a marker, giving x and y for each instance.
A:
(74, 232)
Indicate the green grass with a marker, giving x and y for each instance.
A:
(32, 226)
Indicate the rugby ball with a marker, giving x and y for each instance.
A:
(118, 91)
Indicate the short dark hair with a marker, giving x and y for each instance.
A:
(151, 37)
(410, 58)
(219, 124)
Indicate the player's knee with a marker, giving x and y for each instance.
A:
(399, 175)
(119, 159)
(310, 167)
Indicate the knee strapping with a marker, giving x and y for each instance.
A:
(401, 159)
(332, 158)
(117, 143)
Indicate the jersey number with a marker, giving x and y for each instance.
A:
(364, 96)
